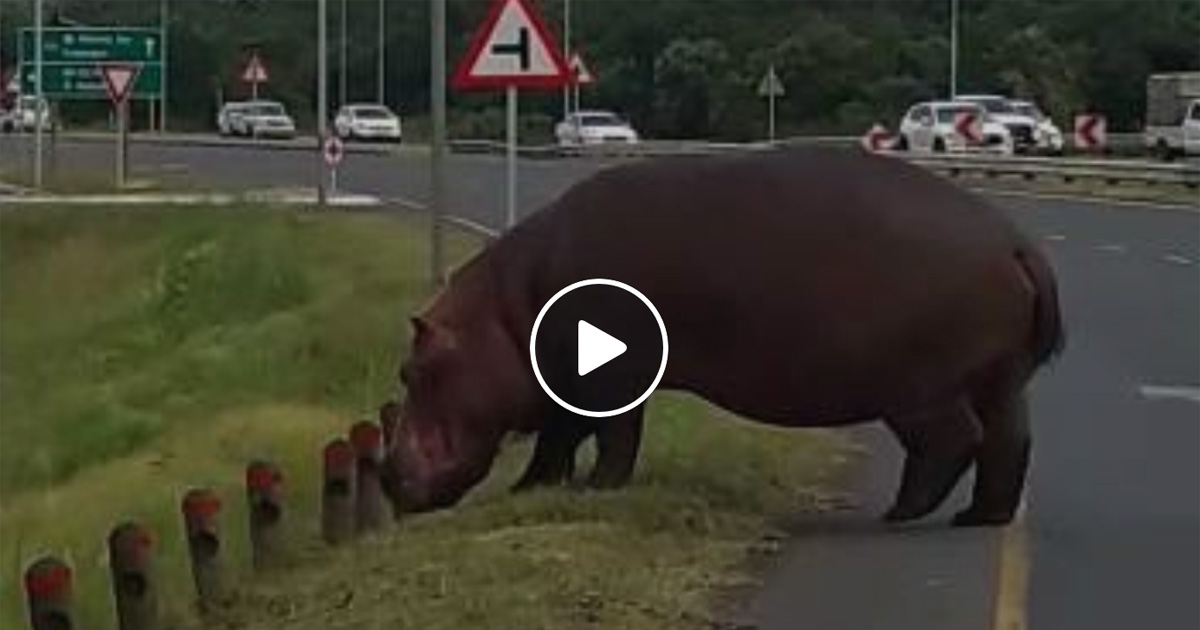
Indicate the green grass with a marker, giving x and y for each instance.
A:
(145, 352)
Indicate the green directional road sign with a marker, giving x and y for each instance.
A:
(72, 58)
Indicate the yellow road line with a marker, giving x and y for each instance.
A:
(1012, 577)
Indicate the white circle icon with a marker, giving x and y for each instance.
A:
(591, 337)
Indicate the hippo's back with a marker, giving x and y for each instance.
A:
(799, 287)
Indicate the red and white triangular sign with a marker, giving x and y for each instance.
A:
(512, 48)
(580, 72)
(256, 71)
(118, 80)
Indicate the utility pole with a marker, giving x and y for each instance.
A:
(380, 89)
(437, 98)
(953, 48)
(322, 98)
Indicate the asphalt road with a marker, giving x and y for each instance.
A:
(1111, 537)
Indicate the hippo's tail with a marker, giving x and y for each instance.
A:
(1049, 333)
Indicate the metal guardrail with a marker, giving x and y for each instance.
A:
(1108, 170)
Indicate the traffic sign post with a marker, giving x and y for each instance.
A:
(72, 56)
(254, 74)
(118, 82)
(1091, 132)
(969, 127)
(333, 151)
(770, 88)
(511, 50)
(580, 76)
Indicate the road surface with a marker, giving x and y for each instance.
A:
(1111, 535)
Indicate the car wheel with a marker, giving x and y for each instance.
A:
(901, 143)
(1163, 150)
(939, 145)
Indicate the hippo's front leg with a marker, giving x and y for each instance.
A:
(553, 461)
(618, 440)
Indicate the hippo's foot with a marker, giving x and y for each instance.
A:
(925, 485)
(983, 517)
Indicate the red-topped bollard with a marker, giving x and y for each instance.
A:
(48, 593)
(264, 506)
(371, 510)
(201, 518)
(130, 555)
(337, 492)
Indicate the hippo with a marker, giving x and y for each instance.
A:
(799, 287)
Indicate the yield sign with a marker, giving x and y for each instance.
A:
(118, 81)
(513, 48)
(580, 72)
(596, 347)
(256, 71)
(770, 85)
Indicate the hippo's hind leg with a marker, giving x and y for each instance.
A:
(1002, 460)
(618, 440)
(553, 461)
(939, 445)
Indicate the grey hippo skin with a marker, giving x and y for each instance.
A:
(800, 288)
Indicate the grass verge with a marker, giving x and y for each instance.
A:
(145, 352)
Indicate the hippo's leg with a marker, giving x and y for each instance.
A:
(1002, 460)
(939, 445)
(618, 440)
(553, 461)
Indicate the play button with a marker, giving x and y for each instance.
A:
(598, 348)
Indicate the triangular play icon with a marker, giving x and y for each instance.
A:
(512, 48)
(596, 347)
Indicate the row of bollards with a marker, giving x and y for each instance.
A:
(352, 503)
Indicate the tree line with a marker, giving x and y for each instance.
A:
(683, 68)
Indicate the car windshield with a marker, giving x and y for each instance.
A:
(947, 114)
(265, 109)
(600, 120)
(992, 105)
(372, 113)
(1027, 109)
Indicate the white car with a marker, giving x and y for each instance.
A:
(257, 119)
(929, 127)
(367, 122)
(27, 114)
(586, 128)
(1031, 130)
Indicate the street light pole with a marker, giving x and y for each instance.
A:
(38, 25)
(342, 59)
(322, 98)
(381, 50)
(437, 99)
(953, 48)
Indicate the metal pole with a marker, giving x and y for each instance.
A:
(437, 97)
(566, 54)
(511, 188)
(38, 94)
(342, 58)
(771, 116)
(164, 20)
(322, 98)
(953, 48)
(382, 60)
(122, 125)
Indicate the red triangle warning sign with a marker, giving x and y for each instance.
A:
(580, 72)
(255, 71)
(118, 81)
(512, 48)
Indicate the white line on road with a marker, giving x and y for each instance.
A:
(1099, 201)
(1177, 259)
(1158, 392)
(1055, 237)
(1116, 248)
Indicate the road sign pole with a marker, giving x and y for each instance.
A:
(437, 175)
(122, 111)
(953, 48)
(381, 60)
(342, 57)
(164, 22)
(322, 97)
(771, 117)
(567, 107)
(38, 94)
(511, 205)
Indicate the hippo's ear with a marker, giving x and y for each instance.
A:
(432, 335)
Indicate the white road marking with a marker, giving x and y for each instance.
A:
(1158, 392)
(1055, 237)
(1116, 248)
(1177, 259)
(1100, 201)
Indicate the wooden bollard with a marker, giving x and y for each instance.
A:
(130, 555)
(264, 499)
(337, 492)
(201, 512)
(371, 510)
(48, 593)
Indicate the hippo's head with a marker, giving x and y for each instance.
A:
(465, 386)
